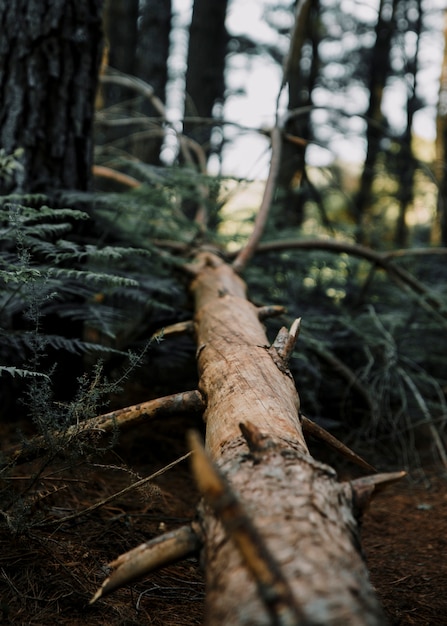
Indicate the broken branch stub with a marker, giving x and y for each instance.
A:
(296, 505)
(147, 557)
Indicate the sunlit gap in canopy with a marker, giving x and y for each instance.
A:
(339, 118)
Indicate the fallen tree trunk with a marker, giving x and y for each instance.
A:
(303, 518)
(279, 530)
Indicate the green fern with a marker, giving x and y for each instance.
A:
(22, 373)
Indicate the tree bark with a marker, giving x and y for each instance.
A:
(406, 163)
(289, 207)
(303, 514)
(378, 74)
(205, 84)
(121, 31)
(439, 231)
(138, 38)
(152, 67)
(49, 58)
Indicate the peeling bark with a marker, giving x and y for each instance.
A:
(303, 514)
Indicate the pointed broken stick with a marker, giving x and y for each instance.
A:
(180, 328)
(321, 433)
(187, 401)
(272, 310)
(281, 350)
(187, 327)
(363, 489)
(145, 558)
(285, 341)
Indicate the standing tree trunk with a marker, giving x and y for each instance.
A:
(379, 70)
(121, 31)
(291, 178)
(205, 83)
(314, 573)
(49, 59)
(152, 67)
(439, 234)
(121, 34)
(138, 38)
(406, 162)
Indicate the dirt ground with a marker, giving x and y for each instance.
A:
(405, 542)
(50, 568)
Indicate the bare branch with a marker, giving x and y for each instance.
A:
(187, 401)
(118, 494)
(107, 172)
(312, 428)
(147, 557)
(363, 489)
(173, 330)
(270, 311)
(261, 218)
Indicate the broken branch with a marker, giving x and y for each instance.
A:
(363, 489)
(261, 218)
(147, 557)
(97, 505)
(185, 402)
(321, 433)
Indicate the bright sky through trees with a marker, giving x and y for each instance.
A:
(253, 82)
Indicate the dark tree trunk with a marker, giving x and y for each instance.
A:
(291, 179)
(152, 67)
(379, 70)
(406, 160)
(49, 58)
(138, 39)
(439, 234)
(121, 31)
(205, 83)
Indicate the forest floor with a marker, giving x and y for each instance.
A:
(50, 568)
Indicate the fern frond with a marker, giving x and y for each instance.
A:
(22, 373)
(21, 209)
(92, 277)
(43, 231)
